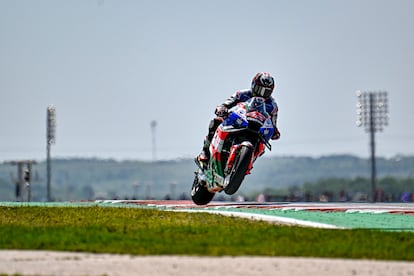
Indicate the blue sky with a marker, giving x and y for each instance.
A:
(112, 67)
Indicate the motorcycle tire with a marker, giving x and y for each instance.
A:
(199, 193)
(239, 170)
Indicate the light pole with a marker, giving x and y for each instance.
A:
(372, 114)
(153, 138)
(50, 139)
(154, 157)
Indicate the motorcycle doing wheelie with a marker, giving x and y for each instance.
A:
(236, 144)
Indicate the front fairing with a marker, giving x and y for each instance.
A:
(253, 109)
(267, 129)
(237, 119)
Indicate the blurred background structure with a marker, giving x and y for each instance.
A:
(50, 139)
(372, 114)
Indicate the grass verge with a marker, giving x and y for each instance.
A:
(153, 232)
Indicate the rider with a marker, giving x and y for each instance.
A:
(262, 86)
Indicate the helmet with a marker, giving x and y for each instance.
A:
(263, 85)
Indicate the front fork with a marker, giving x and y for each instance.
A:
(233, 153)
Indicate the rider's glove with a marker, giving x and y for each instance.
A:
(221, 111)
(276, 134)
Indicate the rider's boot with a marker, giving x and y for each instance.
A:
(203, 157)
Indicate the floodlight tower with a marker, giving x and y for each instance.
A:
(372, 114)
(50, 139)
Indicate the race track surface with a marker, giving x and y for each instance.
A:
(380, 216)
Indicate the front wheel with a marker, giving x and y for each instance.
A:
(199, 193)
(239, 169)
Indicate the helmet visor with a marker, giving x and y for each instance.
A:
(264, 92)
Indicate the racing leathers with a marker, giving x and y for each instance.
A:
(222, 111)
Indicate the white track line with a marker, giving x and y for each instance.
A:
(268, 218)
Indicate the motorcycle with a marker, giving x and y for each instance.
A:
(237, 142)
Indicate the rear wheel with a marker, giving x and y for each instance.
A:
(239, 170)
(199, 193)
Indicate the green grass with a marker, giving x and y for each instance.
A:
(153, 232)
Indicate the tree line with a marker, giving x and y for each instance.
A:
(284, 177)
(359, 189)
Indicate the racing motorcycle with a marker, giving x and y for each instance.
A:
(237, 142)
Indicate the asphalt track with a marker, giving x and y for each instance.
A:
(379, 216)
